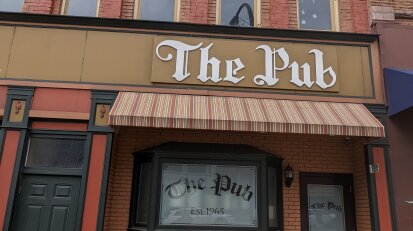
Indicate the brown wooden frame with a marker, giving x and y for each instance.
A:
(346, 180)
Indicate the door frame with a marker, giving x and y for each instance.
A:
(84, 171)
(329, 179)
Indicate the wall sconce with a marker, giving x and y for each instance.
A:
(347, 140)
(289, 175)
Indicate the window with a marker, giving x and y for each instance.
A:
(237, 12)
(55, 152)
(88, 8)
(157, 10)
(317, 14)
(209, 195)
(209, 187)
(11, 5)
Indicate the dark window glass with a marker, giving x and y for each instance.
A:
(157, 10)
(272, 197)
(237, 12)
(81, 8)
(11, 5)
(144, 191)
(60, 153)
(315, 14)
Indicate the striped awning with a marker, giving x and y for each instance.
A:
(243, 114)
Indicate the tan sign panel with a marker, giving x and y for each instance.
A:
(138, 59)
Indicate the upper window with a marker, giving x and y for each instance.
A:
(157, 10)
(11, 5)
(87, 8)
(199, 186)
(55, 152)
(237, 12)
(317, 14)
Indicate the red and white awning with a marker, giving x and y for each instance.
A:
(243, 114)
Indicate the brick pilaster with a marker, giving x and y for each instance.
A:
(37, 6)
(110, 8)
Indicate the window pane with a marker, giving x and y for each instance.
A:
(315, 14)
(61, 153)
(143, 197)
(158, 10)
(325, 207)
(272, 197)
(237, 12)
(11, 5)
(213, 195)
(82, 8)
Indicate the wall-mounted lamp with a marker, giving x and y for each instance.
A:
(347, 140)
(289, 175)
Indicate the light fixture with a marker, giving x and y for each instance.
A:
(347, 140)
(289, 176)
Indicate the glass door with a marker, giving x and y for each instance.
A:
(327, 202)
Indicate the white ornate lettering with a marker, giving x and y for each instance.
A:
(205, 61)
(270, 77)
(182, 52)
(320, 71)
(275, 61)
(295, 75)
(232, 73)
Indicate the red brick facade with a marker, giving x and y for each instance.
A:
(353, 15)
(38, 6)
(110, 8)
(304, 152)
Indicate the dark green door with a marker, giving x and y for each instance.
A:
(47, 203)
(49, 191)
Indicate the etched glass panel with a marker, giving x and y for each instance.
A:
(213, 195)
(237, 12)
(326, 207)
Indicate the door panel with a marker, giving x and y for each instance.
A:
(326, 207)
(47, 203)
(327, 202)
(59, 217)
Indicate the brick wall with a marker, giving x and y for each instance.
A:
(38, 6)
(304, 153)
(400, 6)
(345, 16)
(198, 11)
(127, 9)
(361, 14)
(396, 4)
(56, 7)
(212, 8)
(110, 8)
(353, 14)
(184, 15)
